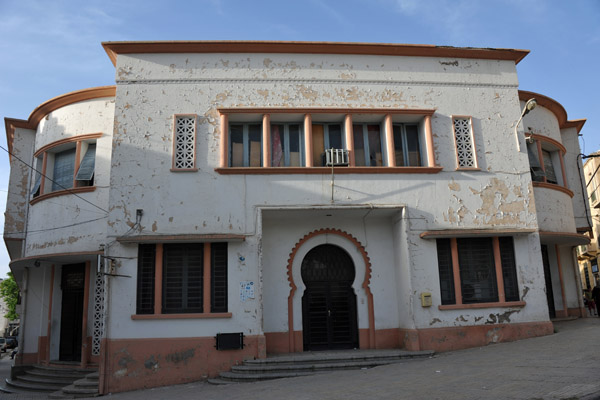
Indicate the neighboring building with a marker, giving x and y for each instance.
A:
(194, 200)
(587, 253)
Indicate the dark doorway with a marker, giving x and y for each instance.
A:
(329, 303)
(548, 278)
(71, 319)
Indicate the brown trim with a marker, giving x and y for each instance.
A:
(482, 305)
(365, 285)
(456, 271)
(431, 162)
(206, 304)
(266, 140)
(50, 302)
(78, 138)
(57, 193)
(542, 138)
(158, 277)
(499, 272)
(562, 281)
(224, 141)
(582, 229)
(389, 140)
(555, 107)
(215, 237)
(195, 116)
(77, 161)
(84, 323)
(308, 143)
(553, 186)
(180, 316)
(349, 132)
(458, 233)
(328, 110)
(113, 49)
(577, 237)
(326, 170)
(10, 124)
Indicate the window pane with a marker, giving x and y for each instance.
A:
(218, 277)
(446, 273)
(254, 145)
(183, 275)
(412, 143)
(537, 174)
(375, 154)
(277, 146)
(509, 269)
(35, 190)
(295, 146)
(335, 136)
(237, 146)
(550, 174)
(64, 168)
(359, 145)
(145, 279)
(477, 270)
(86, 168)
(399, 146)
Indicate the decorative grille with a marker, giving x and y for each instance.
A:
(465, 149)
(185, 139)
(98, 314)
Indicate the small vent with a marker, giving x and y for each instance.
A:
(336, 157)
(230, 341)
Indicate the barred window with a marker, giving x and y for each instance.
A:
(184, 142)
(465, 145)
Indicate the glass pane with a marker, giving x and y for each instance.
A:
(86, 168)
(375, 154)
(295, 146)
(335, 136)
(537, 174)
(477, 270)
(412, 143)
(38, 177)
(237, 146)
(550, 174)
(277, 146)
(398, 146)
(64, 168)
(509, 269)
(446, 272)
(359, 145)
(254, 145)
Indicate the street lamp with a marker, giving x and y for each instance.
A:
(530, 105)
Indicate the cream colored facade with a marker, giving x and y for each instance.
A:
(437, 230)
(587, 254)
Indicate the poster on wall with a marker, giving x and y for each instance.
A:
(246, 290)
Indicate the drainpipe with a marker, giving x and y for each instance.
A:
(23, 313)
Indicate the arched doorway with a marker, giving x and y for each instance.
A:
(329, 302)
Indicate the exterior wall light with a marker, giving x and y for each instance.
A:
(530, 105)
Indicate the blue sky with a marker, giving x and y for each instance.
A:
(53, 47)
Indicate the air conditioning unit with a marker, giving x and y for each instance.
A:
(336, 158)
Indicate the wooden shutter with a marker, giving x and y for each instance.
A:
(509, 269)
(183, 274)
(445, 268)
(145, 279)
(218, 274)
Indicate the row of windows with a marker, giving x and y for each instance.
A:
(64, 167)
(369, 144)
(477, 270)
(193, 278)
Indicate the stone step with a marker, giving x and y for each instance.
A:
(235, 377)
(54, 380)
(307, 367)
(54, 373)
(78, 391)
(341, 356)
(86, 383)
(35, 387)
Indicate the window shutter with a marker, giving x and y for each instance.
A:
(218, 275)
(64, 168)
(445, 268)
(183, 275)
(509, 269)
(36, 185)
(145, 279)
(477, 270)
(86, 168)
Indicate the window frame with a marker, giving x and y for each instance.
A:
(367, 146)
(177, 117)
(404, 137)
(501, 271)
(246, 148)
(47, 153)
(286, 144)
(557, 152)
(158, 310)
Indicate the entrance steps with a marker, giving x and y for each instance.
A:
(55, 381)
(310, 363)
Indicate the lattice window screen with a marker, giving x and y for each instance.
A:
(185, 140)
(98, 314)
(465, 149)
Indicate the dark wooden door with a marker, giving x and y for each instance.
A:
(72, 285)
(548, 278)
(329, 302)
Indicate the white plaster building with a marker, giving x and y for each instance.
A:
(194, 198)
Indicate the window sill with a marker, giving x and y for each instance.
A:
(554, 187)
(57, 193)
(482, 305)
(184, 169)
(325, 170)
(180, 316)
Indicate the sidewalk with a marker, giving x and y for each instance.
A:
(565, 365)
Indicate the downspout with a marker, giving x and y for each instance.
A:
(23, 314)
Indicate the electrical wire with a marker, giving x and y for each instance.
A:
(76, 208)
(57, 227)
(53, 181)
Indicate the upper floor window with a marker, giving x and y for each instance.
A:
(325, 136)
(407, 146)
(465, 142)
(287, 145)
(184, 141)
(367, 145)
(546, 160)
(246, 145)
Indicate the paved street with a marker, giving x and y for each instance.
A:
(565, 365)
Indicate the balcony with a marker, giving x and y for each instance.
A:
(587, 251)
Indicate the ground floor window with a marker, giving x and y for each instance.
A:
(477, 270)
(192, 278)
